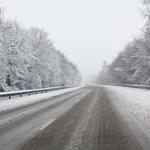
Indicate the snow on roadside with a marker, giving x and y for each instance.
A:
(136, 100)
(7, 104)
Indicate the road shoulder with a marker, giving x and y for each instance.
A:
(139, 130)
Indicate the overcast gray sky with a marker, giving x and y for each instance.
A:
(86, 31)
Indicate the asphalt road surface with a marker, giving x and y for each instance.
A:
(90, 118)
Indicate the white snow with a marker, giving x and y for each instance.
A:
(137, 101)
(6, 104)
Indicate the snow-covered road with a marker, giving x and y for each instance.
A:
(91, 117)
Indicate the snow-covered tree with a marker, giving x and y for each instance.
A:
(29, 60)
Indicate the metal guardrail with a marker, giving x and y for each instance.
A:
(14, 93)
(135, 86)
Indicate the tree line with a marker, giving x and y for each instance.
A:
(29, 60)
(132, 65)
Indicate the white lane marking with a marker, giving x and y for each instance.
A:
(48, 123)
(77, 101)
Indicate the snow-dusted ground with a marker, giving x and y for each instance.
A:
(6, 104)
(137, 101)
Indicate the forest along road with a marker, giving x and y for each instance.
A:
(89, 118)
